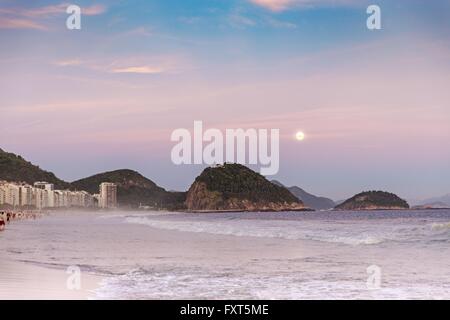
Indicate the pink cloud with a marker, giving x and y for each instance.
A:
(140, 31)
(93, 10)
(139, 69)
(57, 9)
(69, 62)
(128, 65)
(19, 23)
(274, 5)
(42, 11)
(24, 18)
(281, 5)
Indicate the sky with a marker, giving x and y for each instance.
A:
(374, 104)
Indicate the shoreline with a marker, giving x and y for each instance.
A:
(228, 211)
(26, 281)
(42, 213)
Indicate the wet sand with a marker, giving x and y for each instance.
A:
(25, 281)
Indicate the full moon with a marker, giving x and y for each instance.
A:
(300, 136)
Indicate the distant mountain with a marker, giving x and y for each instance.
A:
(373, 200)
(14, 168)
(444, 199)
(310, 200)
(235, 187)
(133, 190)
(432, 205)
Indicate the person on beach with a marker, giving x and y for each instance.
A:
(2, 224)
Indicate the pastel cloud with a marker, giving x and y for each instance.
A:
(139, 31)
(124, 65)
(281, 5)
(280, 24)
(240, 21)
(54, 10)
(93, 10)
(22, 18)
(273, 5)
(70, 62)
(19, 23)
(139, 69)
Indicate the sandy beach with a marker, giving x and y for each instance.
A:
(36, 280)
(25, 281)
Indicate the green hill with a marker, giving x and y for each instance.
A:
(373, 200)
(133, 190)
(236, 187)
(15, 168)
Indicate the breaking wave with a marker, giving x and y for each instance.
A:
(354, 233)
(173, 283)
(240, 228)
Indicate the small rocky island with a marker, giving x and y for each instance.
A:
(373, 200)
(234, 187)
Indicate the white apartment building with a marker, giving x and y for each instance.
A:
(26, 195)
(44, 185)
(12, 196)
(108, 195)
(16, 194)
(43, 195)
(40, 198)
(2, 194)
(87, 200)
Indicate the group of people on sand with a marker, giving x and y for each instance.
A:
(7, 216)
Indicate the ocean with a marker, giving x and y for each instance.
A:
(286, 255)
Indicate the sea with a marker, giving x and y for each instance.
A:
(402, 254)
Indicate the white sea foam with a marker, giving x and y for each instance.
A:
(440, 226)
(290, 230)
(349, 232)
(201, 284)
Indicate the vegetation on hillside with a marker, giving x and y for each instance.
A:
(15, 168)
(133, 190)
(373, 200)
(240, 182)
